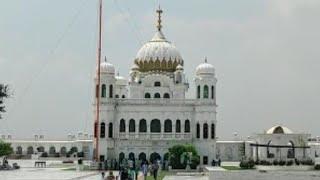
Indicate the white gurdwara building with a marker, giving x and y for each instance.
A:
(144, 116)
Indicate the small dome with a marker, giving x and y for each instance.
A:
(205, 69)
(121, 80)
(179, 67)
(106, 67)
(279, 130)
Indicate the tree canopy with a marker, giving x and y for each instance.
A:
(4, 93)
(5, 148)
(179, 155)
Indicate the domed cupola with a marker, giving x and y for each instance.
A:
(106, 67)
(158, 54)
(205, 69)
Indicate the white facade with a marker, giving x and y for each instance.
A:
(149, 113)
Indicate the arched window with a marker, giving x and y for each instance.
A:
(168, 125)
(52, 150)
(291, 150)
(117, 96)
(147, 95)
(205, 131)
(212, 92)
(131, 156)
(198, 92)
(121, 156)
(157, 95)
(102, 130)
(155, 126)
(187, 126)
(40, 149)
(103, 90)
(110, 132)
(143, 125)
(178, 126)
(122, 125)
(19, 150)
(198, 130)
(157, 84)
(132, 125)
(166, 95)
(123, 96)
(213, 131)
(205, 92)
(142, 156)
(30, 150)
(63, 151)
(95, 129)
(110, 91)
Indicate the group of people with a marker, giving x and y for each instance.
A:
(216, 163)
(131, 172)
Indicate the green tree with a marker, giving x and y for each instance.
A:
(5, 149)
(179, 156)
(4, 93)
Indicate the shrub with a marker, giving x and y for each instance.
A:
(289, 163)
(265, 163)
(275, 162)
(282, 162)
(307, 162)
(178, 153)
(44, 154)
(247, 164)
(297, 162)
(317, 167)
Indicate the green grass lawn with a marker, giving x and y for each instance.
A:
(231, 168)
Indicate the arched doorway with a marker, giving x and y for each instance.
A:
(121, 156)
(291, 150)
(155, 126)
(142, 156)
(154, 157)
(30, 150)
(63, 151)
(131, 156)
(19, 150)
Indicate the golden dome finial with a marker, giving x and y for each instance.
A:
(159, 11)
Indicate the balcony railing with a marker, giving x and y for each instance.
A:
(155, 136)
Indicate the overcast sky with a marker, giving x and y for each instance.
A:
(266, 55)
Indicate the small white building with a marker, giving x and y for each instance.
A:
(280, 143)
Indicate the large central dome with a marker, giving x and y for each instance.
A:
(158, 54)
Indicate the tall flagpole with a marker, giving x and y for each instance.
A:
(96, 124)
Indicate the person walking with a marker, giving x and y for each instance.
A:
(144, 169)
(155, 168)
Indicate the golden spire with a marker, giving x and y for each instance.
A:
(159, 12)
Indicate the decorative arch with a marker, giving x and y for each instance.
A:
(205, 131)
(205, 92)
(157, 84)
(198, 130)
(154, 157)
(30, 150)
(102, 130)
(132, 125)
(178, 126)
(291, 151)
(166, 96)
(103, 90)
(110, 91)
(63, 151)
(122, 127)
(143, 126)
(110, 132)
(121, 156)
(142, 156)
(157, 95)
(155, 126)
(212, 92)
(147, 95)
(168, 126)
(40, 149)
(213, 131)
(131, 156)
(19, 150)
(52, 150)
(187, 126)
